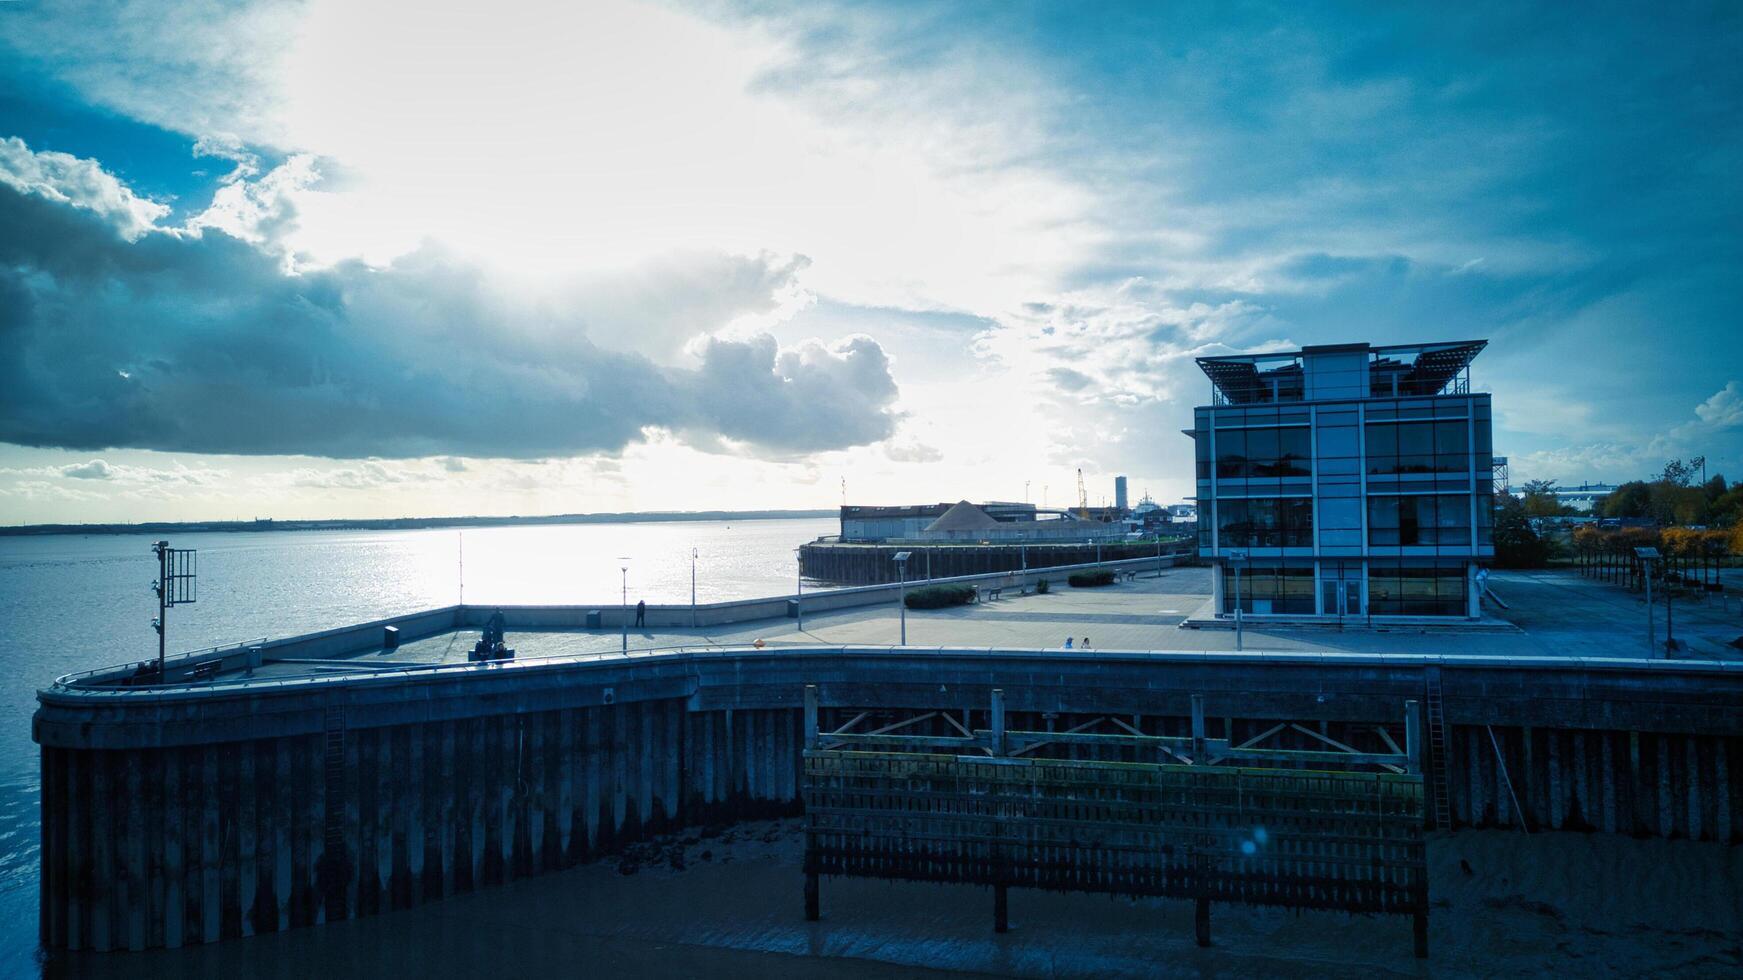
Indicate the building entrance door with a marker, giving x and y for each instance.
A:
(1342, 597)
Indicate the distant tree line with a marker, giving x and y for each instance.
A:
(1695, 522)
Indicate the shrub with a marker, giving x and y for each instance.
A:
(939, 596)
(1090, 580)
(1041, 587)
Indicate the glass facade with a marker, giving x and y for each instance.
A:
(1273, 588)
(1265, 522)
(1420, 519)
(1259, 453)
(1417, 587)
(1441, 446)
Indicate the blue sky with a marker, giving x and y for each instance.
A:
(321, 258)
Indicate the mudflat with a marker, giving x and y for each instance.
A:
(728, 903)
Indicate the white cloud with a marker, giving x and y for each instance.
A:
(96, 469)
(66, 179)
(1724, 410)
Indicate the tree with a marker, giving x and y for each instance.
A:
(1540, 500)
(1726, 509)
(1516, 544)
(1680, 474)
(1631, 499)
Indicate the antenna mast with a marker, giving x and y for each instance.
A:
(176, 572)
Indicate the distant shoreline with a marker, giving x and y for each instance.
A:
(409, 523)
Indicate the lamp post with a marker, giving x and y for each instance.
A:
(624, 616)
(1647, 556)
(1236, 556)
(799, 595)
(901, 559)
(693, 554)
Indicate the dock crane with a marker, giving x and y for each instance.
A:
(1082, 497)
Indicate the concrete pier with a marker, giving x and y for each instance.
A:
(190, 814)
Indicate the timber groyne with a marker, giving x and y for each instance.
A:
(200, 811)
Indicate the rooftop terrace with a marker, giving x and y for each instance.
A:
(1342, 371)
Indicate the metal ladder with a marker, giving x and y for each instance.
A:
(334, 818)
(1437, 749)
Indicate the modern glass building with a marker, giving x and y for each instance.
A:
(1349, 481)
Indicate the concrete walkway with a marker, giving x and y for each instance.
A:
(1558, 612)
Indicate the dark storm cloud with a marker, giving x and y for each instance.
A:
(204, 344)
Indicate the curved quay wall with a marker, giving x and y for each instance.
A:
(200, 813)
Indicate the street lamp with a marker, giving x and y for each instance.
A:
(901, 559)
(693, 554)
(1236, 556)
(624, 616)
(1647, 557)
(799, 581)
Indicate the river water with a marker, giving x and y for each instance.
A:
(71, 602)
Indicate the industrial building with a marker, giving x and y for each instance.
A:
(904, 522)
(962, 521)
(1345, 481)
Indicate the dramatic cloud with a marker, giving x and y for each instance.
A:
(198, 341)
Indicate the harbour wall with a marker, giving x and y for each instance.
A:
(192, 814)
(870, 564)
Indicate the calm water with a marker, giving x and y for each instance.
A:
(69, 603)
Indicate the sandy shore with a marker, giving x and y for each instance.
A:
(729, 905)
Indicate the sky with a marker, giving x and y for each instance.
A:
(342, 258)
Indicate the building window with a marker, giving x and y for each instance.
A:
(1271, 588)
(1416, 587)
(1438, 446)
(1422, 519)
(1265, 522)
(1263, 453)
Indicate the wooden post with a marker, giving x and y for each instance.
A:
(1199, 758)
(1413, 737)
(1001, 909)
(998, 714)
(1201, 917)
(1419, 926)
(810, 716)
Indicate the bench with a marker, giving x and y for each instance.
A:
(206, 671)
(990, 593)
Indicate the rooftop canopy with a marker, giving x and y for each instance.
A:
(1283, 376)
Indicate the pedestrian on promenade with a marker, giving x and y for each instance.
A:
(641, 612)
(1068, 643)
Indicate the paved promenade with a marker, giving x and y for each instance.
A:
(1557, 613)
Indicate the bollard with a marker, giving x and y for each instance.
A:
(998, 714)
(810, 716)
(1199, 756)
(1413, 737)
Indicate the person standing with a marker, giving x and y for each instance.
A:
(641, 613)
